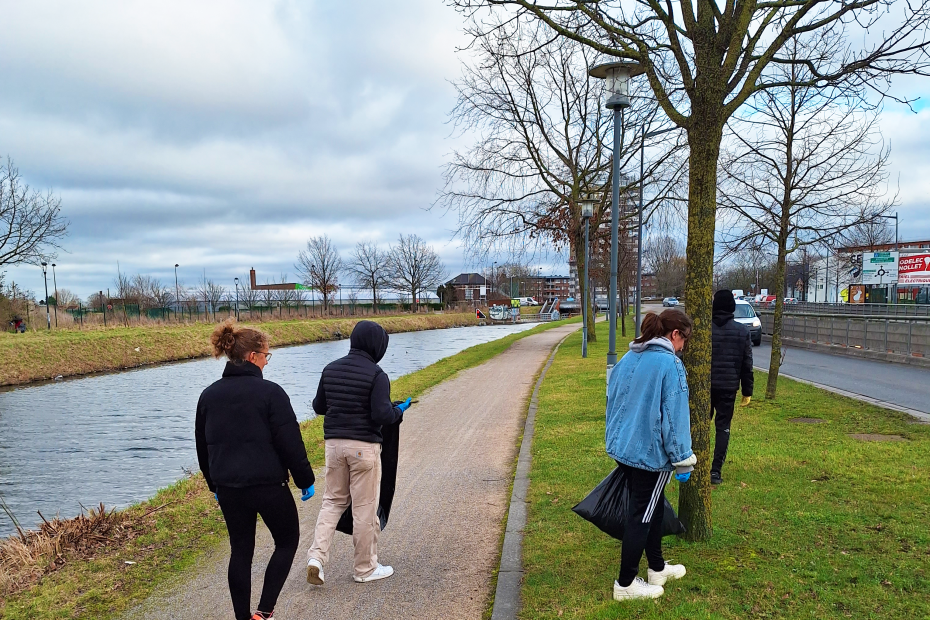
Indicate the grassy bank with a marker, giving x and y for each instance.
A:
(96, 582)
(42, 355)
(809, 523)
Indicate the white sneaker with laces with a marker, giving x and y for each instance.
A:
(637, 589)
(671, 571)
(314, 572)
(381, 572)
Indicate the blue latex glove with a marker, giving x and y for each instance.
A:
(405, 405)
(307, 493)
(683, 477)
(216, 498)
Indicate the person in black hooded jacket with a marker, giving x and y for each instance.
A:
(354, 396)
(248, 440)
(730, 366)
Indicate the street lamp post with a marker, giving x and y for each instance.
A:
(895, 218)
(177, 292)
(236, 280)
(55, 282)
(48, 316)
(539, 284)
(639, 226)
(587, 210)
(617, 76)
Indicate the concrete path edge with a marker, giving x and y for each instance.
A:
(924, 418)
(510, 574)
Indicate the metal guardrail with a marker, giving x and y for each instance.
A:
(854, 309)
(887, 334)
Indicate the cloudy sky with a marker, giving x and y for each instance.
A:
(221, 135)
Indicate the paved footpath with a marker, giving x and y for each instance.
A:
(458, 453)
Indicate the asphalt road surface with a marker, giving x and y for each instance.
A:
(458, 453)
(907, 386)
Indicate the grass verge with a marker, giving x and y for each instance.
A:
(39, 355)
(97, 582)
(809, 523)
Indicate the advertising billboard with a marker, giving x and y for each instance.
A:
(914, 269)
(879, 267)
(856, 294)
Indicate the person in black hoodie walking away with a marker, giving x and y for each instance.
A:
(730, 366)
(248, 440)
(354, 395)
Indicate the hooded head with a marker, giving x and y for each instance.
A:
(724, 306)
(371, 338)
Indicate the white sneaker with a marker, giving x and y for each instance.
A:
(382, 572)
(671, 571)
(637, 589)
(314, 572)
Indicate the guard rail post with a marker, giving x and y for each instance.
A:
(865, 335)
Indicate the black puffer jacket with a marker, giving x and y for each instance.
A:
(731, 362)
(354, 394)
(247, 433)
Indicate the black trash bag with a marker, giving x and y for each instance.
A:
(606, 507)
(390, 450)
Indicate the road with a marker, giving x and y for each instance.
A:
(458, 452)
(900, 384)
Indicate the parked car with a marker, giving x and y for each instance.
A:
(527, 301)
(790, 300)
(745, 314)
(669, 302)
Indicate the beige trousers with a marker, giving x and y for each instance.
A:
(353, 474)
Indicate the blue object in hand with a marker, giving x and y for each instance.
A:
(216, 498)
(307, 493)
(683, 477)
(405, 405)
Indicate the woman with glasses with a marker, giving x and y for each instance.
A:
(248, 440)
(649, 436)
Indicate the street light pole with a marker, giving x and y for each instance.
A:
(587, 210)
(237, 298)
(639, 226)
(617, 76)
(177, 292)
(55, 282)
(48, 316)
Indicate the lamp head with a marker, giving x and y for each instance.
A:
(587, 207)
(617, 76)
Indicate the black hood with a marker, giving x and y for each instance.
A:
(721, 317)
(370, 338)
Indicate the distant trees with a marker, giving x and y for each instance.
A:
(665, 258)
(31, 224)
(369, 266)
(319, 266)
(413, 267)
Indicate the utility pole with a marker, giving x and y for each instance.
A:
(55, 281)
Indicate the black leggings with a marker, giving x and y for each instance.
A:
(240, 509)
(643, 530)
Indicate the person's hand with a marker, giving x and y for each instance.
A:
(307, 493)
(683, 477)
(745, 401)
(405, 405)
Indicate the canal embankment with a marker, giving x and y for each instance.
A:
(104, 571)
(45, 355)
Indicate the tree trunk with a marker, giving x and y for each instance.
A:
(775, 360)
(694, 505)
(582, 285)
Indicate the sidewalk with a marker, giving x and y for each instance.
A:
(458, 449)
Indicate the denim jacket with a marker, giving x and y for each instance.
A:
(648, 422)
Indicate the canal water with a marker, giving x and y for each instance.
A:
(118, 438)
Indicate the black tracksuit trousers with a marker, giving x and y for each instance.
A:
(643, 530)
(240, 507)
(721, 410)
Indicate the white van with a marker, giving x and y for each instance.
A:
(527, 301)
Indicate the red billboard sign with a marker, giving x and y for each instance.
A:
(914, 269)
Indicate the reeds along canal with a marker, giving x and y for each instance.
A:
(118, 438)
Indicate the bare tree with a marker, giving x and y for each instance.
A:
(870, 234)
(125, 291)
(270, 298)
(545, 144)
(31, 224)
(664, 256)
(369, 266)
(66, 298)
(285, 297)
(704, 60)
(806, 166)
(247, 294)
(320, 266)
(414, 267)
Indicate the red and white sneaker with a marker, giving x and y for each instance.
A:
(262, 615)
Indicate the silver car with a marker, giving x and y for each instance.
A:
(747, 316)
(669, 302)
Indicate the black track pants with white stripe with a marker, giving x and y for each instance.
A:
(643, 530)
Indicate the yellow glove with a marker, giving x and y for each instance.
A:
(745, 401)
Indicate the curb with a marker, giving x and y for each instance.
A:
(510, 573)
(921, 416)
